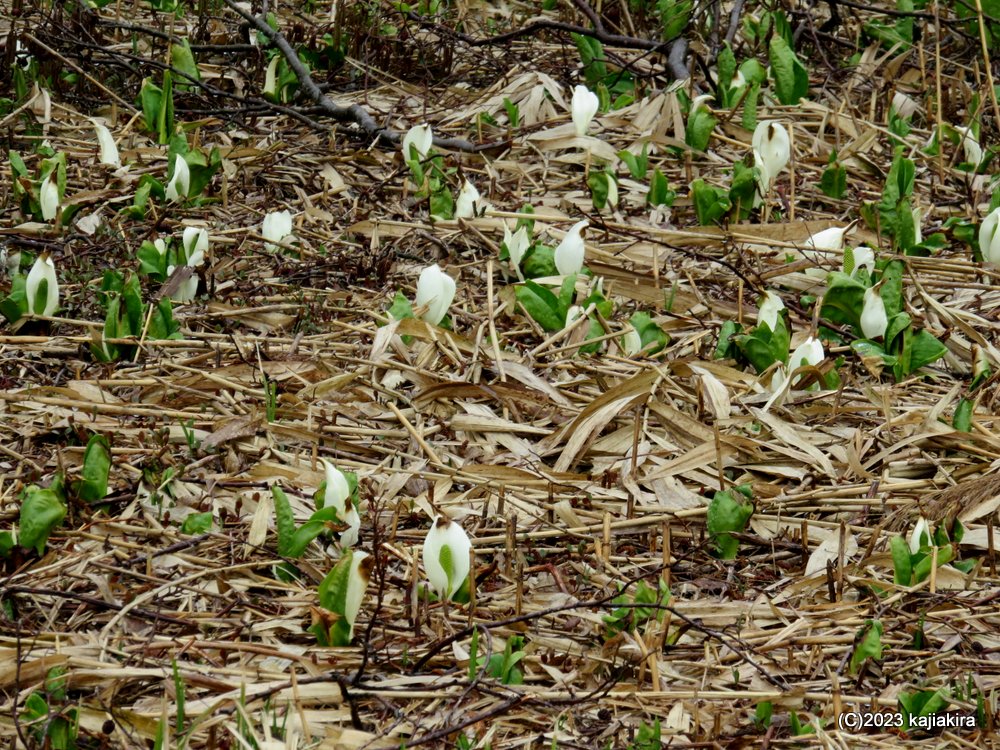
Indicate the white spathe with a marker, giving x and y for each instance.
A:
(569, 253)
(276, 228)
(517, 244)
(920, 528)
(187, 289)
(357, 584)
(180, 183)
(632, 341)
(446, 534)
(764, 179)
(338, 495)
(970, 145)
(810, 353)
(989, 238)
(770, 139)
(864, 257)
(42, 270)
(612, 190)
(465, 204)
(49, 198)
(584, 105)
(829, 239)
(195, 243)
(770, 307)
(436, 290)
(874, 321)
(109, 151)
(420, 137)
(271, 77)
(573, 314)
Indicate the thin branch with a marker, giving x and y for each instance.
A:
(355, 112)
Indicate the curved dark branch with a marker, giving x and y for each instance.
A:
(355, 112)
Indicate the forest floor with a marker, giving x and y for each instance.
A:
(583, 480)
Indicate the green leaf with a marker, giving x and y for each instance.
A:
(791, 78)
(742, 190)
(674, 15)
(41, 511)
(763, 714)
(637, 165)
(924, 349)
(727, 514)
(332, 594)
(834, 181)
(749, 119)
(598, 184)
(182, 58)
(401, 307)
(726, 67)
(660, 193)
(710, 203)
(197, 523)
(901, 561)
(700, 125)
(93, 486)
(962, 421)
(652, 336)
(844, 300)
(726, 348)
(869, 646)
(539, 262)
(542, 305)
(284, 520)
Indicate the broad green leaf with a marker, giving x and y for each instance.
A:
(869, 646)
(93, 486)
(41, 511)
(710, 203)
(843, 301)
(727, 514)
(182, 58)
(925, 349)
(902, 567)
(197, 523)
(542, 305)
(698, 131)
(791, 79)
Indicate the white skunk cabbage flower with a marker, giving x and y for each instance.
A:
(770, 308)
(195, 242)
(585, 105)
(420, 137)
(864, 257)
(49, 198)
(347, 594)
(777, 381)
(180, 183)
(829, 239)
(810, 353)
(918, 233)
(337, 494)
(764, 179)
(187, 290)
(989, 238)
(920, 528)
(109, 151)
(612, 190)
(569, 253)
(357, 584)
(874, 321)
(631, 341)
(276, 227)
(44, 270)
(771, 140)
(446, 556)
(465, 204)
(517, 244)
(271, 78)
(436, 290)
(573, 314)
(970, 145)
(904, 105)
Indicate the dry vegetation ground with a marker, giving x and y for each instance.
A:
(574, 475)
